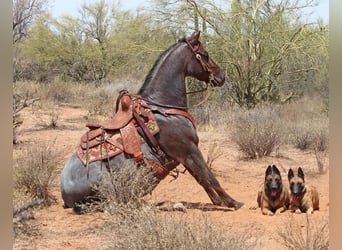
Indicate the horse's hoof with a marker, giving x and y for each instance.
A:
(238, 205)
(78, 209)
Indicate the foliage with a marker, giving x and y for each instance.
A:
(103, 43)
(266, 50)
(24, 14)
(19, 103)
(269, 53)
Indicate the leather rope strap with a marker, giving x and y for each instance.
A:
(198, 56)
(153, 142)
(177, 112)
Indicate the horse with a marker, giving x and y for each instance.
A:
(164, 91)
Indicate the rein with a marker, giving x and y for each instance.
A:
(206, 97)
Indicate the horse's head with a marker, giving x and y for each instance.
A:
(202, 66)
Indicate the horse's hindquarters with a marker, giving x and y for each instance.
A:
(75, 185)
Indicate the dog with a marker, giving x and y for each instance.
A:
(273, 196)
(303, 198)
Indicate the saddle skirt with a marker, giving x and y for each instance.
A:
(104, 142)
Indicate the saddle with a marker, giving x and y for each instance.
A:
(120, 134)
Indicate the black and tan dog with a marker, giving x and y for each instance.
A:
(273, 196)
(303, 198)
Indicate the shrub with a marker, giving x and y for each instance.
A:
(123, 187)
(135, 224)
(302, 135)
(101, 102)
(146, 228)
(35, 169)
(257, 131)
(214, 153)
(313, 235)
(49, 121)
(19, 103)
(57, 91)
(320, 147)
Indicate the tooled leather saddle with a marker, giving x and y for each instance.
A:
(120, 134)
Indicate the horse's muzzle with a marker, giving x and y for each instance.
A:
(216, 79)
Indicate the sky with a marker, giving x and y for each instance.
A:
(71, 7)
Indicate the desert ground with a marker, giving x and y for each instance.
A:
(60, 228)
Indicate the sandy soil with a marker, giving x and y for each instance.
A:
(62, 229)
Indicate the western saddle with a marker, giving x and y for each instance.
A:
(121, 134)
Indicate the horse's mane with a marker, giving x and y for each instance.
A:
(161, 56)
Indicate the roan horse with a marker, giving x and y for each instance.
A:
(164, 91)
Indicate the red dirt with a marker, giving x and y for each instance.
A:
(62, 229)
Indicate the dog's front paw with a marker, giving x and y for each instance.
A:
(267, 212)
(298, 211)
(309, 212)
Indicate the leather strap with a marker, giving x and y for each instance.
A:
(158, 169)
(179, 112)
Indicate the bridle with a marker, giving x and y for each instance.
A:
(205, 65)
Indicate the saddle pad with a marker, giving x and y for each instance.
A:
(101, 151)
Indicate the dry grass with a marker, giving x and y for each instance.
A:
(35, 170)
(257, 132)
(311, 234)
(214, 153)
(146, 228)
(122, 187)
(306, 126)
(135, 224)
(100, 102)
(49, 121)
(320, 147)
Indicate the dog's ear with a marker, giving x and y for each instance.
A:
(290, 174)
(276, 170)
(268, 170)
(300, 173)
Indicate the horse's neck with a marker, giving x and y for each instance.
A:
(167, 84)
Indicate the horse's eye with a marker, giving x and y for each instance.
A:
(206, 55)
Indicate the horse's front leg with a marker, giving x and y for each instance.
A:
(181, 145)
(197, 167)
(215, 199)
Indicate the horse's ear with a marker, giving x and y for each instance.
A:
(194, 37)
